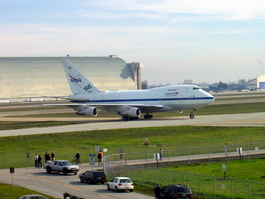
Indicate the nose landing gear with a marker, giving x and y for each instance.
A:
(192, 113)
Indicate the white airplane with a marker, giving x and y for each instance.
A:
(87, 99)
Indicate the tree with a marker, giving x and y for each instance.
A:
(222, 85)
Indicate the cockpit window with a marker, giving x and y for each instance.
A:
(196, 88)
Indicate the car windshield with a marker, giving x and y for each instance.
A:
(125, 181)
(66, 163)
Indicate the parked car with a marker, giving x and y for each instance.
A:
(32, 196)
(120, 183)
(176, 191)
(93, 177)
(63, 166)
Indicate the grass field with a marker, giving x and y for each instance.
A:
(8, 191)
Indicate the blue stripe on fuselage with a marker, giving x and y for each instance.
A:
(144, 100)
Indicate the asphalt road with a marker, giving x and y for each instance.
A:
(56, 184)
(247, 119)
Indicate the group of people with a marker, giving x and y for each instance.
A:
(47, 157)
(100, 155)
(37, 159)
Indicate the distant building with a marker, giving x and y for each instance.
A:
(241, 81)
(22, 77)
(144, 84)
(257, 83)
(188, 81)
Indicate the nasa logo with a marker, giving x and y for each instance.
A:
(86, 88)
(75, 80)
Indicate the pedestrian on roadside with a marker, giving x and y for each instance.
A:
(100, 156)
(160, 154)
(77, 158)
(39, 162)
(53, 156)
(47, 157)
(157, 191)
(36, 160)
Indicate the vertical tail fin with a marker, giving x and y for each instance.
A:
(78, 83)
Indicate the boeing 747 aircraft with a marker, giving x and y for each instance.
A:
(87, 99)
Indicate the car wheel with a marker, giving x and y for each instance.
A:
(102, 182)
(64, 171)
(75, 173)
(131, 190)
(88, 181)
(116, 189)
(81, 180)
(48, 169)
(108, 187)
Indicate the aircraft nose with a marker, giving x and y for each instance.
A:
(211, 97)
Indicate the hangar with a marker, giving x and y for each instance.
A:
(257, 83)
(29, 77)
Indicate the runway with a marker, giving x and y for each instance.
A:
(101, 123)
(247, 119)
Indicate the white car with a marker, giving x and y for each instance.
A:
(120, 183)
(32, 196)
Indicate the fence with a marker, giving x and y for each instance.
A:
(143, 168)
(204, 187)
(25, 158)
(188, 155)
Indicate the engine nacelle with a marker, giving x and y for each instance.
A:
(89, 111)
(132, 112)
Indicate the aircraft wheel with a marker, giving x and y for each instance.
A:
(148, 116)
(191, 116)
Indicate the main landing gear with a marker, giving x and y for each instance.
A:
(126, 118)
(148, 116)
(192, 113)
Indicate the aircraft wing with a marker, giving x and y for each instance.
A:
(111, 107)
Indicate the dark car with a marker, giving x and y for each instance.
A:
(93, 177)
(176, 191)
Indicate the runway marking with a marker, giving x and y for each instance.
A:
(62, 184)
(103, 196)
(55, 182)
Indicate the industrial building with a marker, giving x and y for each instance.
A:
(257, 83)
(31, 77)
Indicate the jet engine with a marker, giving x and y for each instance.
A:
(89, 111)
(132, 112)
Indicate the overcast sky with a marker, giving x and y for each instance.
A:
(203, 40)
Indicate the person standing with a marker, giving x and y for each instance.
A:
(36, 160)
(47, 157)
(157, 191)
(53, 156)
(39, 162)
(100, 156)
(77, 158)
(160, 154)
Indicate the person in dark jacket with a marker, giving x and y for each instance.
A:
(157, 191)
(53, 156)
(100, 156)
(77, 158)
(39, 162)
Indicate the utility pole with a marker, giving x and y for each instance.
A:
(260, 66)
